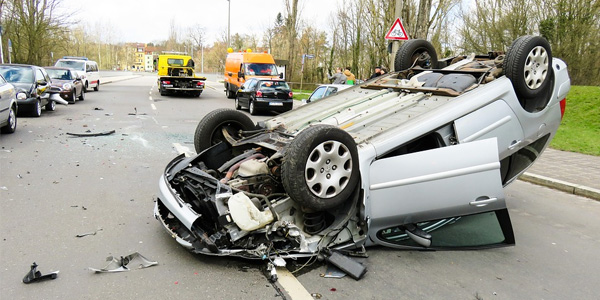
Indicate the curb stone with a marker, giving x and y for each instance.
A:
(571, 188)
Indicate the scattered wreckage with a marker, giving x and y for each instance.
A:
(416, 159)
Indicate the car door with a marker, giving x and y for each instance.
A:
(4, 99)
(317, 94)
(449, 197)
(243, 93)
(42, 83)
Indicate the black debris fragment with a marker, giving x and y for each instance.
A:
(34, 275)
(90, 134)
(85, 234)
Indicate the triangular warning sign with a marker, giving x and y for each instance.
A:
(397, 32)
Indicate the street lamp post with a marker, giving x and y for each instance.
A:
(228, 23)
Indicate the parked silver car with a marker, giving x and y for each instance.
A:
(416, 159)
(8, 107)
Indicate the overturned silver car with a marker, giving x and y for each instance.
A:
(416, 159)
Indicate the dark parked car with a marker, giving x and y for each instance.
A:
(33, 87)
(264, 94)
(67, 83)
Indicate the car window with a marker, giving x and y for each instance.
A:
(330, 90)
(59, 74)
(277, 85)
(16, 75)
(318, 93)
(261, 69)
(252, 85)
(468, 231)
(246, 84)
(178, 62)
(73, 64)
(39, 76)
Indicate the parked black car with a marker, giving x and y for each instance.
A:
(66, 83)
(33, 86)
(264, 94)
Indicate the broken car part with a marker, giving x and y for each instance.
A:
(91, 134)
(34, 275)
(125, 263)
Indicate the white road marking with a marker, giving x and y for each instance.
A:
(291, 285)
(153, 106)
(182, 149)
(150, 98)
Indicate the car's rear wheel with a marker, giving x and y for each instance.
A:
(416, 53)
(11, 126)
(251, 108)
(320, 167)
(210, 129)
(51, 105)
(228, 92)
(528, 66)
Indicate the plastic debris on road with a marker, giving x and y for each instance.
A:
(125, 263)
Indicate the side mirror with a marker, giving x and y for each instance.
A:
(42, 82)
(280, 75)
(241, 74)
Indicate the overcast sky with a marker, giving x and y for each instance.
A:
(149, 20)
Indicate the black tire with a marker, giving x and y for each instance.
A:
(82, 95)
(73, 98)
(36, 111)
(228, 92)
(237, 103)
(418, 50)
(85, 87)
(251, 107)
(320, 167)
(528, 65)
(50, 106)
(97, 87)
(11, 126)
(198, 94)
(209, 131)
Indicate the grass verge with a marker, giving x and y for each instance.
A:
(579, 130)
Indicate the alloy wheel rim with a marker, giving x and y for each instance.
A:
(536, 67)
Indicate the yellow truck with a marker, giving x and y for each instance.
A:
(176, 75)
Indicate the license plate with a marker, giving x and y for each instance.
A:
(275, 104)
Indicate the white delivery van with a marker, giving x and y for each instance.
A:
(85, 68)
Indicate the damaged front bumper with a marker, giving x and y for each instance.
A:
(209, 217)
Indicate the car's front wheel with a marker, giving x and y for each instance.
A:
(251, 107)
(82, 95)
(37, 108)
(320, 167)
(97, 87)
(237, 103)
(11, 126)
(73, 97)
(214, 127)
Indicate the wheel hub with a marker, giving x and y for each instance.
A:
(328, 169)
(536, 67)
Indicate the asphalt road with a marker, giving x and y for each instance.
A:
(54, 187)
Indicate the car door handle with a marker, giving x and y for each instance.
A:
(514, 144)
(481, 203)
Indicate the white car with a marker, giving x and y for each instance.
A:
(325, 90)
(85, 68)
(415, 159)
(8, 107)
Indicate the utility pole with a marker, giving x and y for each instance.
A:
(228, 23)
(396, 44)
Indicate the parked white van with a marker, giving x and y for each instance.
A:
(85, 68)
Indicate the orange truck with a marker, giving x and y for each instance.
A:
(240, 66)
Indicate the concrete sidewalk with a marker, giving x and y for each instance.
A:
(570, 172)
